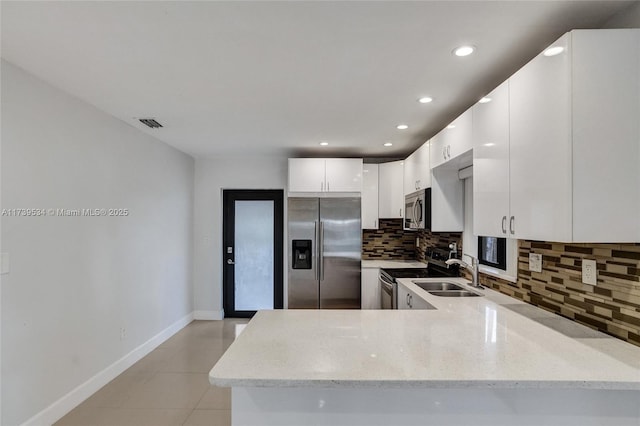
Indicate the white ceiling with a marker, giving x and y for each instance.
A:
(276, 78)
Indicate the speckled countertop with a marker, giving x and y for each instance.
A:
(493, 341)
(393, 264)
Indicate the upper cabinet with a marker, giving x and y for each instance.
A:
(452, 141)
(417, 170)
(390, 194)
(370, 196)
(573, 145)
(325, 175)
(491, 164)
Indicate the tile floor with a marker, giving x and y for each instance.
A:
(168, 387)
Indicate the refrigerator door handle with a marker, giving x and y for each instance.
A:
(321, 250)
(316, 236)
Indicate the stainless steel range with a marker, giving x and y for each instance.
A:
(436, 268)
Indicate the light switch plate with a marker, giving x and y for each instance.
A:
(589, 272)
(5, 267)
(535, 262)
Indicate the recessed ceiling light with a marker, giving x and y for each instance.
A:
(425, 100)
(464, 50)
(489, 144)
(451, 126)
(484, 100)
(553, 51)
(387, 144)
(324, 143)
(402, 127)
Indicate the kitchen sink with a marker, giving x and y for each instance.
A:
(454, 293)
(438, 286)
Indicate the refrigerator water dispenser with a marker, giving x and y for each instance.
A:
(301, 254)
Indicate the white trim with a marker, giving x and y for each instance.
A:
(68, 402)
(208, 315)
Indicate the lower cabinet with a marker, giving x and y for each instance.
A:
(370, 289)
(407, 299)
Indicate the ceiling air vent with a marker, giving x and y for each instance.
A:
(150, 122)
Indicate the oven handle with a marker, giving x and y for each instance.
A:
(385, 281)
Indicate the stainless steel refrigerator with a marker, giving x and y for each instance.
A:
(324, 245)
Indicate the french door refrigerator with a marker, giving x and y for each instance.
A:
(324, 245)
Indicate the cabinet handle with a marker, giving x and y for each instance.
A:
(511, 225)
(408, 299)
(504, 224)
(449, 151)
(444, 152)
(400, 212)
(411, 301)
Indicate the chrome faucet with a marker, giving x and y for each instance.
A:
(473, 268)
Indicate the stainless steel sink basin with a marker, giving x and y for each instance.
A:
(454, 293)
(438, 286)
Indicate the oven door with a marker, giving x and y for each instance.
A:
(388, 297)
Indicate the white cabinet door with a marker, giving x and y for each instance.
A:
(417, 169)
(423, 166)
(370, 289)
(403, 297)
(417, 302)
(409, 172)
(390, 190)
(343, 174)
(459, 138)
(491, 164)
(369, 196)
(306, 174)
(606, 135)
(438, 150)
(540, 148)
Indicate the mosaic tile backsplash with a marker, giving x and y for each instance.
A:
(612, 306)
(389, 242)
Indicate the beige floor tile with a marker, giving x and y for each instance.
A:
(168, 390)
(117, 391)
(124, 417)
(216, 399)
(193, 360)
(209, 418)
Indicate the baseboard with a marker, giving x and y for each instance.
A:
(208, 315)
(61, 407)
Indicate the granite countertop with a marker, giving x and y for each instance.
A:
(393, 264)
(493, 341)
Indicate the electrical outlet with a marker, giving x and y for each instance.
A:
(589, 272)
(123, 333)
(535, 262)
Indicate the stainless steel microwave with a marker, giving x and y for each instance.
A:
(417, 210)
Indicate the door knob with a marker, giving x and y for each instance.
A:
(230, 262)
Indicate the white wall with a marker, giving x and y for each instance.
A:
(76, 281)
(212, 176)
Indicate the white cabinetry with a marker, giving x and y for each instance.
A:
(369, 196)
(407, 299)
(417, 170)
(575, 141)
(452, 141)
(370, 289)
(325, 175)
(491, 164)
(390, 190)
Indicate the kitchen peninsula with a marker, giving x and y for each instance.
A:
(477, 360)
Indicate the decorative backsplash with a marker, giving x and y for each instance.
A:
(389, 241)
(612, 306)
(436, 239)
